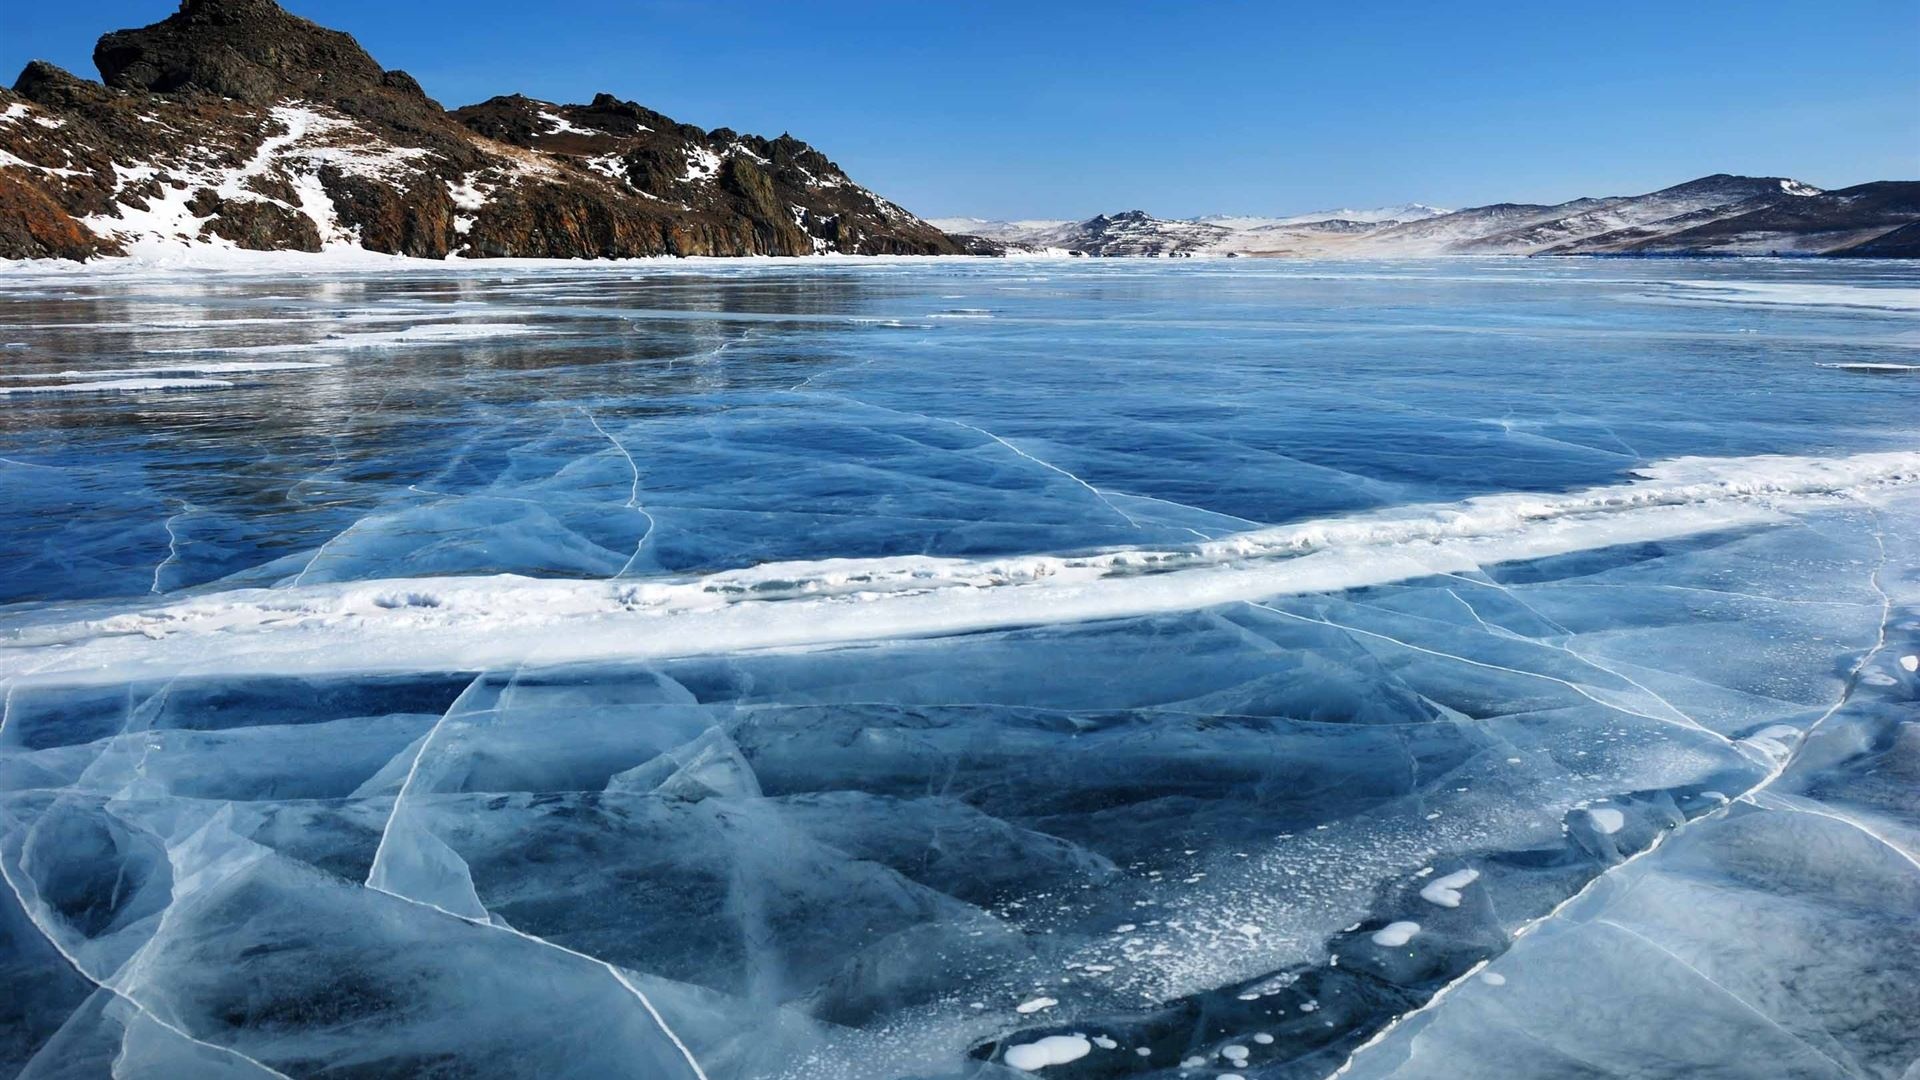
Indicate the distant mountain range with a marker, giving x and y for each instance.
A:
(233, 124)
(1714, 215)
(1040, 231)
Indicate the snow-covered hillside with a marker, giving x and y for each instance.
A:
(1722, 214)
(1374, 216)
(997, 230)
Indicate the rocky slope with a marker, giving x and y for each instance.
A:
(1584, 226)
(1132, 232)
(1880, 219)
(235, 124)
(1714, 215)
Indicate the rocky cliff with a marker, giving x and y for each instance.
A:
(233, 123)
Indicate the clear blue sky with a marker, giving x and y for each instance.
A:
(1064, 108)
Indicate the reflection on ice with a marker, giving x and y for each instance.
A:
(649, 696)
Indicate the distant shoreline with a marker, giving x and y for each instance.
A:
(224, 261)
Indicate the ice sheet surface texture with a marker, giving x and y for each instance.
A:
(961, 669)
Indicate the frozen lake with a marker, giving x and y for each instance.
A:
(962, 668)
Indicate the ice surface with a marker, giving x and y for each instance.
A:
(115, 386)
(1774, 936)
(738, 671)
(1817, 294)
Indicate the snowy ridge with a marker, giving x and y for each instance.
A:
(1599, 226)
(998, 230)
(459, 623)
(1215, 233)
(1719, 214)
(1374, 216)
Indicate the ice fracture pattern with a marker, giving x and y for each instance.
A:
(940, 669)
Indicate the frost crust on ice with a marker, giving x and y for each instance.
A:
(116, 386)
(1395, 934)
(1606, 819)
(1052, 1050)
(1445, 891)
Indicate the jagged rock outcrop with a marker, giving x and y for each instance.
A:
(248, 50)
(769, 196)
(36, 227)
(235, 123)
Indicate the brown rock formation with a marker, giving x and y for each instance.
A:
(233, 122)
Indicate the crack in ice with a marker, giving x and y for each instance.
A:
(618, 976)
(1097, 493)
(375, 879)
(1569, 635)
(633, 494)
(1753, 795)
(1569, 684)
(124, 995)
(1772, 800)
(173, 543)
(406, 784)
(1723, 988)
